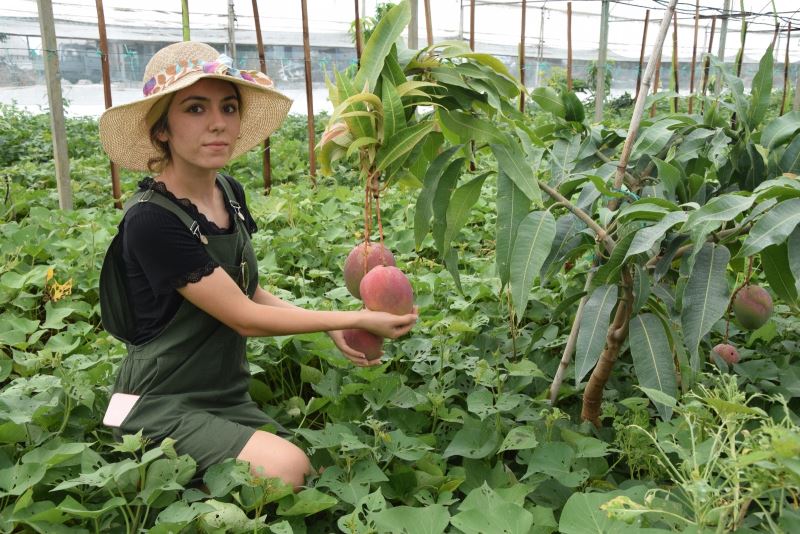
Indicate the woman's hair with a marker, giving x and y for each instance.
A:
(161, 125)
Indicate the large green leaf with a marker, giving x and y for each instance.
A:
(669, 176)
(394, 116)
(441, 200)
(646, 238)
(512, 206)
(734, 84)
(573, 107)
(652, 358)
(460, 205)
(780, 130)
(431, 519)
(568, 237)
(719, 209)
(761, 90)
(380, 43)
(476, 439)
(468, 127)
(793, 253)
(505, 517)
(547, 99)
(773, 227)
(790, 160)
(594, 329)
(424, 209)
(653, 139)
(360, 126)
(705, 297)
(401, 143)
(511, 159)
(775, 260)
(534, 239)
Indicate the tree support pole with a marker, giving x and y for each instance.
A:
(116, 191)
(312, 161)
(675, 59)
(185, 19)
(358, 35)
(266, 163)
(600, 87)
(694, 53)
(786, 69)
(569, 46)
(523, 93)
(641, 53)
(428, 22)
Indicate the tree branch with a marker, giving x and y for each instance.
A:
(601, 232)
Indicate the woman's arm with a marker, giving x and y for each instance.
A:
(219, 296)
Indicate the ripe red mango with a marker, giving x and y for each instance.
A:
(387, 289)
(362, 259)
(752, 307)
(726, 352)
(363, 341)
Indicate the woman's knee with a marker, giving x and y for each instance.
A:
(272, 456)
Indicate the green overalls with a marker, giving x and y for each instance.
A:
(193, 377)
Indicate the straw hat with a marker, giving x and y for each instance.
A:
(125, 129)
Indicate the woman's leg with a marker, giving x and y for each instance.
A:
(272, 456)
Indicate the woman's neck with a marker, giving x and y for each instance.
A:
(195, 184)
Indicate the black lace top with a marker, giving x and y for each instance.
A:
(161, 255)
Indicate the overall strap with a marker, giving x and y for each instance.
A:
(150, 195)
(237, 208)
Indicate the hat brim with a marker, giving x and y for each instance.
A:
(125, 133)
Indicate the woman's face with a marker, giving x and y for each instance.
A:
(203, 124)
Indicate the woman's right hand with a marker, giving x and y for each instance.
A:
(385, 324)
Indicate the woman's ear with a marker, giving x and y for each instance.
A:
(162, 136)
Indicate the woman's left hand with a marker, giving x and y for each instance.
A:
(353, 355)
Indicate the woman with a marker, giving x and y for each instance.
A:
(180, 282)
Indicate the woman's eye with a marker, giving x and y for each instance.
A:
(195, 108)
(231, 108)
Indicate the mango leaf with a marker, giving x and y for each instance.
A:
(534, 239)
(359, 126)
(719, 209)
(460, 205)
(392, 69)
(467, 127)
(775, 260)
(394, 116)
(609, 270)
(670, 177)
(734, 84)
(380, 43)
(441, 200)
(424, 209)
(547, 99)
(512, 206)
(780, 130)
(653, 139)
(652, 358)
(593, 329)
(358, 143)
(511, 159)
(646, 238)
(773, 227)
(432, 519)
(641, 288)
(401, 143)
(573, 108)
(567, 239)
(793, 252)
(705, 297)
(761, 90)
(790, 161)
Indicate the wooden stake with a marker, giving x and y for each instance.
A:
(707, 60)
(641, 53)
(413, 25)
(358, 35)
(600, 85)
(312, 160)
(569, 46)
(694, 53)
(116, 191)
(723, 37)
(786, 69)
(428, 22)
(523, 92)
(185, 19)
(472, 25)
(266, 163)
(675, 60)
(58, 129)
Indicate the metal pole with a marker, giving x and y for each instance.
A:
(266, 163)
(53, 80)
(185, 19)
(569, 46)
(358, 34)
(641, 54)
(413, 25)
(523, 92)
(600, 87)
(694, 53)
(116, 191)
(428, 22)
(312, 162)
(231, 31)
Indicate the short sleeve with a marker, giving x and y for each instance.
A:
(162, 251)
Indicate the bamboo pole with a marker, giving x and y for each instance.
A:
(569, 46)
(523, 92)
(358, 35)
(116, 190)
(58, 129)
(472, 25)
(428, 22)
(413, 25)
(707, 60)
(694, 53)
(723, 37)
(655, 82)
(786, 69)
(641, 53)
(231, 31)
(675, 60)
(266, 163)
(185, 19)
(600, 78)
(312, 161)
